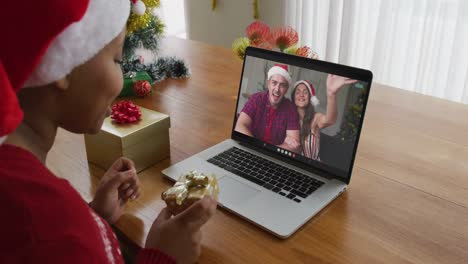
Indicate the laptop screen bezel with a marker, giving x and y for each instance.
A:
(315, 167)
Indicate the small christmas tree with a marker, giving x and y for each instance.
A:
(352, 119)
(144, 32)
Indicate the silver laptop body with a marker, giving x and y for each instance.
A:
(301, 186)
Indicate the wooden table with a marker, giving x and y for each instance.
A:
(408, 198)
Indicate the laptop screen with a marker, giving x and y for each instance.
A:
(303, 110)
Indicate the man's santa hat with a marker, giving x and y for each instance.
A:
(47, 41)
(313, 97)
(282, 70)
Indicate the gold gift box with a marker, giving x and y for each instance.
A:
(188, 189)
(145, 142)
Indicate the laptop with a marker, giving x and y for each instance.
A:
(276, 185)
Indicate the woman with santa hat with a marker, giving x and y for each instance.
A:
(305, 99)
(60, 67)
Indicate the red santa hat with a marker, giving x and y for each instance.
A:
(313, 97)
(282, 70)
(47, 41)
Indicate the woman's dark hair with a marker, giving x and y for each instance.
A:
(308, 117)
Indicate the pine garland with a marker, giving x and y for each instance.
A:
(164, 67)
(147, 38)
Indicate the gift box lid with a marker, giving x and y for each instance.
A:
(130, 134)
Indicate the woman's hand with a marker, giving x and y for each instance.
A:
(180, 236)
(119, 184)
(335, 82)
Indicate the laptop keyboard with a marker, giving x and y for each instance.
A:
(279, 179)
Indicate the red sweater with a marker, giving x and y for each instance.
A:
(44, 220)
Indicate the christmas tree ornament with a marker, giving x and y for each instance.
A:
(125, 112)
(142, 88)
(255, 9)
(213, 4)
(146, 56)
(130, 78)
(145, 20)
(138, 7)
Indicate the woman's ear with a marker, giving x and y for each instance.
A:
(63, 83)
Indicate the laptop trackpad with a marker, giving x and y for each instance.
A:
(233, 191)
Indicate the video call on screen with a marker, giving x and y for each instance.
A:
(284, 115)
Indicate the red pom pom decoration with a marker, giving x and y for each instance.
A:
(125, 112)
(142, 88)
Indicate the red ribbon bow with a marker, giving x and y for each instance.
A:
(125, 112)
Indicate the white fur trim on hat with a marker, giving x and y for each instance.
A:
(314, 101)
(313, 96)
(81, 41)
(278, 70)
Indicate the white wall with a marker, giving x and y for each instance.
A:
(229, 20)
(172, 14)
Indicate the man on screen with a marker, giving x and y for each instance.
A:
(271, 117)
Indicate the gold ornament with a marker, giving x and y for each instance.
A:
(255, 8)
(213, 5)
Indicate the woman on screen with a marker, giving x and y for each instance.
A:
(305, 100)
